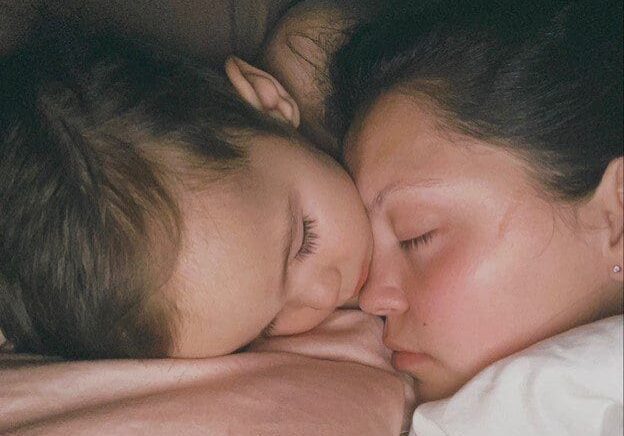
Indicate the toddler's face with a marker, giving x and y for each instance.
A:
(270, 250)
(471, 263)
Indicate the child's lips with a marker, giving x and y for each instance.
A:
(363, 277)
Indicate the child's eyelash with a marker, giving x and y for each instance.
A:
(418, 242)
(268, 330)
(310, 238)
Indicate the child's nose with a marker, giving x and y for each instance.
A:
(324, 291)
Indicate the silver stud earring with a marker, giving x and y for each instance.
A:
(617, 268)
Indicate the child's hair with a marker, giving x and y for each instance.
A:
(95, 138)
(540, 78)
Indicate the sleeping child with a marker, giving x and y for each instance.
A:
(148, 211)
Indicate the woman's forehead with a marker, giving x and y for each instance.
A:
(400, 142)
(393, 121)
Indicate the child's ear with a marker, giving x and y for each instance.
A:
(611, 195)
(262, 91)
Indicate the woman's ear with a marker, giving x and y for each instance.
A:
(611, 195)
(262, 91)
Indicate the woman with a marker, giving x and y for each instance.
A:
(486, 143)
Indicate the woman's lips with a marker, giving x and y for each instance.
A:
(406, 361)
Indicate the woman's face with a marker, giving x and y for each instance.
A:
(470, 262)
(272, 249)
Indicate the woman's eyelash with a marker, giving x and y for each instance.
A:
(418, 242)
(310, 238)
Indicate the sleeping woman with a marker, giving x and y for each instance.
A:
(486, 143)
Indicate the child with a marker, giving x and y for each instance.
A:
(147, 211)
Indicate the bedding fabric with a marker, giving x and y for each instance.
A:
(342, 390)
(570, 384)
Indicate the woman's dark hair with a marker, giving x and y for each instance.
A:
(543, 78)
(93, 137)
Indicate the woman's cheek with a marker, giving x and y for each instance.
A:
(440, 281)
(449, 299)
(475, 306)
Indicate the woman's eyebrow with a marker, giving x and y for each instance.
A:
(397, 187)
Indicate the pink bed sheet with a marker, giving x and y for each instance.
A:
(268, 392)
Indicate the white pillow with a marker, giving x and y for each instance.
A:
(570, 384)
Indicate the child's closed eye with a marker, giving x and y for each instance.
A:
(310, 238)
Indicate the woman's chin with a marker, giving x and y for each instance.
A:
(436, 389)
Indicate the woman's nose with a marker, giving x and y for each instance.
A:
(323, 291)
(383, 297)
(383, 300)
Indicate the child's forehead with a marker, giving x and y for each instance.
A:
(212, 196)
(260, 185)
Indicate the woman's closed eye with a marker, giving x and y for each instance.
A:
(310, 238)
(418, 242)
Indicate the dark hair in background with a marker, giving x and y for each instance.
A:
(92, 138)
(541, 78)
